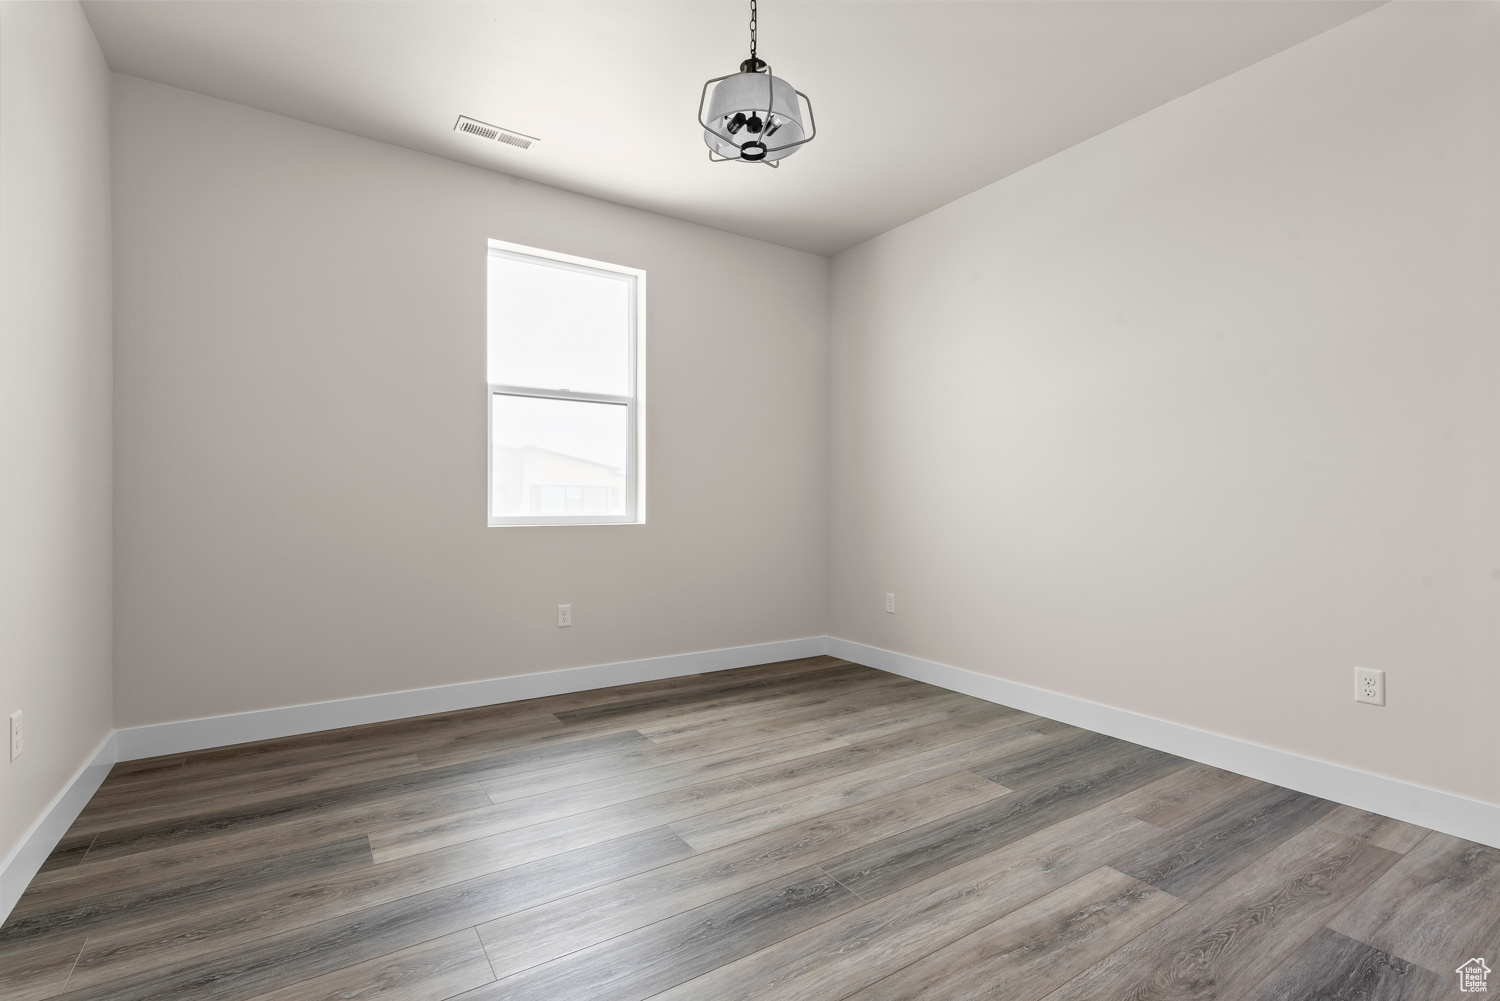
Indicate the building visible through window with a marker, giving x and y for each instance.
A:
(564, 349)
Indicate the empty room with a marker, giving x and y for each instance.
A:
(749, 500)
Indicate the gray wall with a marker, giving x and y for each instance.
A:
(54, 404)
(1198, 415)
(300, 425)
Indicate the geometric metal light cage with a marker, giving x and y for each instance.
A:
(754, 116)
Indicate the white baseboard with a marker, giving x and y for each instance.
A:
(18, 868)
(1465, 818)
(239, 728)
(1459, 816)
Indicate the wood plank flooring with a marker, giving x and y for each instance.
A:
(803, 831)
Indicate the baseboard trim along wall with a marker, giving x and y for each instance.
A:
(26, 858)
(23, 862)
(1459, 816)
(266, 724)
(1441, 811)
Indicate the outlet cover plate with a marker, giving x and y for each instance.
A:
(1369, 686)
(564, 616)
(15, 735)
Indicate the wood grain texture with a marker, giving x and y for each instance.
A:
(1331, 967)
(643, 963)
(124, 972)
(347, 800)
(1383, 832)
(38, 969)
(736, 688)
(1187, 862)
(787, 798)
(1442, 900)
(540, 934)
(1184, 795)
(431, 971)
(493, 829)
(880, 937)
(69, 851)
(826, 707)
(1044, 725)
(1225, 943)
(576, 809)
(170, 862)
(91, 914)
(907, 858)
(541, 804)
(934, 708)
(802, 831)
(1032, 950)
(1057, 758)
(221, 791)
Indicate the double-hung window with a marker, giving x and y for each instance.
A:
(566, 339)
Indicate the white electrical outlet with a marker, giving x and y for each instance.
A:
(890, 603)
(1369, 686)
(564, 615)
(15, 735)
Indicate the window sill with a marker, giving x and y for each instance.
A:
(560, 521)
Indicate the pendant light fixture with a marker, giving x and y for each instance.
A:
(752, 116)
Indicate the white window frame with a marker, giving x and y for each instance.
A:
(635, 451)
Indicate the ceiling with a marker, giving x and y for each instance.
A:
(918, 101)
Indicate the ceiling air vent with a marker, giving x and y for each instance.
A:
(494, 132)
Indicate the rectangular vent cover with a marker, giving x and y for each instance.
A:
(494, 132)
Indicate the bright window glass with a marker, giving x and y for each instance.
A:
(558, 457)
(559, 327)
(565, 421)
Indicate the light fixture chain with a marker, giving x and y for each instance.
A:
(752, 30)
(733, 104)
